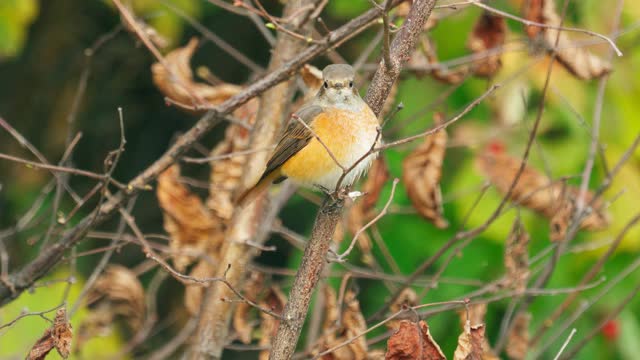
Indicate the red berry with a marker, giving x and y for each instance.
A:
(610, 330)
(496, 147)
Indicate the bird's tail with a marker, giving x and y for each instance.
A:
(249, 195)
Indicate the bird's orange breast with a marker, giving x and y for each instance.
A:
(343, 132)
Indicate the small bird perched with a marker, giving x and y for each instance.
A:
(346, 127)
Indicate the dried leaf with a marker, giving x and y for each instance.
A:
(413, 341)
(227, 173)
(174, 79)
(193, 292)
(421, 174)
(41, 348)
(534, 190)
(312, 78)
(475, 316)
(62, 333)
(241, 317)
(470, 343)
(486, 38)
(372, 187)
(275, 301)
(560, 220)
(578, 61)
(58, 336)
(186, 219)
(120, 290)
(362, 211)
(352, 324)
(331, 311)
(518, 337)
(516, 258)
(407, 297)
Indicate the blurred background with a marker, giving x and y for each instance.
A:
(43, 60)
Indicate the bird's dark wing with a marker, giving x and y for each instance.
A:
(295, 137)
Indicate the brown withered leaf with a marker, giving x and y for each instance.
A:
(188, 222)
(559, 222)
(372, 187)
(62, 333)
(58, 336)
(174, 78)
(119, 289)
(193, 292)
(578, 61)
(226, 173)
(312, 78)
(518, 337)
(242, 315)
(42, 347)
(275, 301)
(470, 343)
(407, 297)
(487, 36)
(98, 322)
(331, 311)
(352, 323)
(361, 212)
(413, 341)
(534, 190)
(421, 172)
(516, 258)
(475, 316)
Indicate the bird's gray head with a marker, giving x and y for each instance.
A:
(337, 86)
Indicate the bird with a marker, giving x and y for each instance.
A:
(330, 133)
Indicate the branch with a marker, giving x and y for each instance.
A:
(284, 343)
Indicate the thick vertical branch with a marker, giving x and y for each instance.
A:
(252, 223)
(284, 343)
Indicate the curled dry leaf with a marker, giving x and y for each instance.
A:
(120, 291)
(518, 337)
(331, 311)
(485, 41)
(174, 78)
(407, 298)
(475, 316)
(188, 222)
(534, 190)
(362, 211)
(559, 223)
(470, 343)
(578, 61)
(227, 172)
(421, 172)
(413, 341)
(242, 323)
(275, 301)
(516, 258)
(312, 79)
(352, 323)
(58, 336)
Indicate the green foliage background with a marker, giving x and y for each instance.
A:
(41, 59)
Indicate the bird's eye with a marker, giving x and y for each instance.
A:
(326, 85)
(350, 84)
